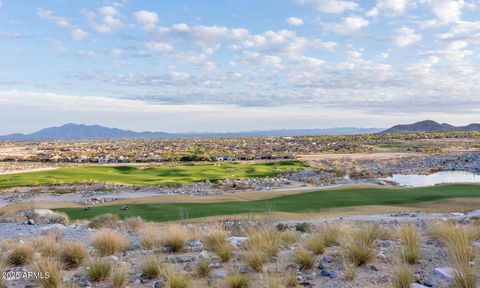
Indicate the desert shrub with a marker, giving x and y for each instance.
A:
(72, 255)
(120, 277)
(151, 267)
(54, 269)
(315, 243)
(457, 240)
(304, 259)
(175, 237)
(303, 227)
(403, 277)
(237, 280)
(108, 242)
(464, 275)
(111, 221)
(203, 269)
(282, 227)
(20, 255)
(98, 270)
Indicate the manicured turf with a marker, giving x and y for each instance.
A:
(162, 175)
(305, 202)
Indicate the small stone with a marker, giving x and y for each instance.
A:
(84, 283)
(30, 222)
(203, 254)
(327, 259)
(373, 268)
(333, 274)
(325, 273)
(194, 243)
(322, 266)
(158, 284)
(428, 283)
(244, 270)
(219, 274)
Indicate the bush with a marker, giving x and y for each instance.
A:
(108, 242)
(291, 279)
(350, 272)
(282, 227)
(53, 269)
(304, 259)
(330, 234)
(215, 237)
(111, 221)
(73, 255)
(303, 227)
(224, 251)
(265, 240)
(99, 270)
(20, 255)
(288, 237)
(47, 246)
(203, 269)
(151, 267)
(237, 280)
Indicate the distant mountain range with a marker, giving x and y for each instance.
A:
(431, 126)
(80, 131)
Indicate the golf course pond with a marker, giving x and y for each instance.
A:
(442, 177)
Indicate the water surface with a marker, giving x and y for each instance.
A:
(443, 177)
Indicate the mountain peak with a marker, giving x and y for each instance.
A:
(430, 126)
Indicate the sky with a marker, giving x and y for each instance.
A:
(233, 65)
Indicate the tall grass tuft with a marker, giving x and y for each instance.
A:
(120, 277)
(304, 259)
(175, 279)
(203, 269)
(98, 270)
(175, 237)
(108, 242)
(403, 277)
(151, 267)
(73, 255)
(19, 255)
(108, 220)
(237, 280)
(410, 251)
(315, 243)
(54, 270)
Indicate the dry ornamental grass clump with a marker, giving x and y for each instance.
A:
(120, 277)
(108, 242)
(410, 250)
(315, 243)
(98, 270)
(151, 267)
(111, 221)
(150, 236)
(403, 277)
(237, 280)
(358, 248)
(73, 255)
(19, 255)
(304, 259)
(174, 278)
(203, 269)
(175, 237)
(54, 270)
(216, 241)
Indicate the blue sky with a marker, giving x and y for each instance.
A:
(238, 65)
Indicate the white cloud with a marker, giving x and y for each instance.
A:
(457, 45)
(147, 18)
(159, 47)
(347, 25)
(330, 6)
(106, 21)
(447, 11)
(405, 37)
(63, 22)
(78, 34)
(294, 21)
(117, 52)
(389, 6)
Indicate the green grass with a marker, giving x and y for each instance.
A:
(305, 202)
(163, 175)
